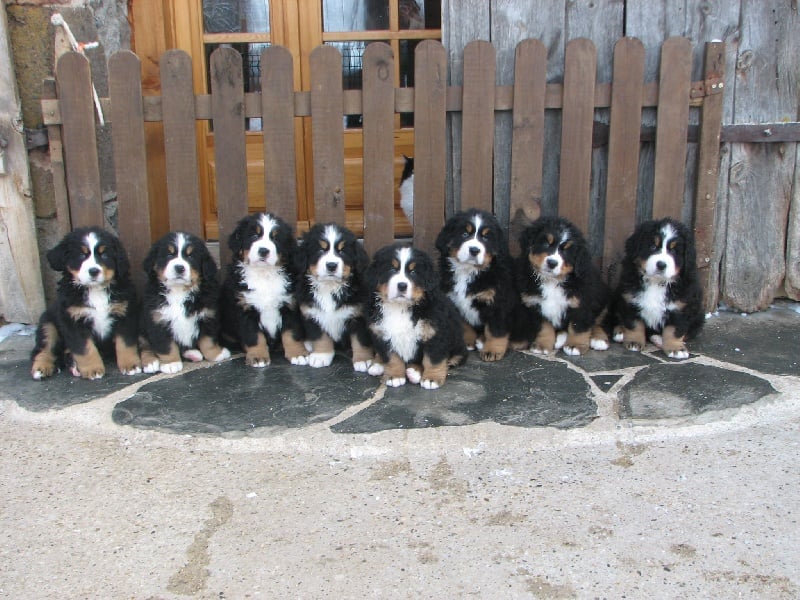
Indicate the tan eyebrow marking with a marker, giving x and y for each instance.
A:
(672, 244)
(171, 249)
(324, 244)
(567, 245)
(550, 239)
(395, 263)
(189, 250)
(340, 246)
(470, 228)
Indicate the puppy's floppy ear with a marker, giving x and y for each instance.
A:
(208, 267)
(361, 257)
(123, 265)
(689, 251)
(57, 256)
(149, 261)
(235, 239)
(583, 260)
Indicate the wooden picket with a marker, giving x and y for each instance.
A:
(478, 100)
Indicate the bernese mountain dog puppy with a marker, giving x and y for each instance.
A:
(257, 306)
(659, 295)
(478, 276)
(179, 315)
(416, 329)
(330, 295)
(563, 295)
(95, 309)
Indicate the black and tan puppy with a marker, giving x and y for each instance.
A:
(416, 329)
(659, 295)
(181, 297)
(257, 306)
(563, 294)
(477, 275)
(330, 294)
(95, 309)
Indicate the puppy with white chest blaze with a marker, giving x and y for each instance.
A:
(563, 297)
(257, 306)
(477, 276)
(330, 295)
(416, 329)
(659, 296)
(95, 312)
(179, 317)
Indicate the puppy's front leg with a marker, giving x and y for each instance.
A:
(257, 355)
(322, 352)
(88, 364)
(634, 339)
(128, 360)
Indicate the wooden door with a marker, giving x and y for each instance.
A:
(200, 26)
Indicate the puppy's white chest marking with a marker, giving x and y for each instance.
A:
(653, 305)
(331, 319)
(267, 293)
(462, 277)
(184, 328)
(99, 306)
(553, 302)
(397, 328)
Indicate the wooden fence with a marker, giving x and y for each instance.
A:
(70, 116)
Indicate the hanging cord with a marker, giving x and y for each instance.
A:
(58, 21)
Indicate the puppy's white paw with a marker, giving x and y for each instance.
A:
(599, 344)
(470, 348)
(618, 337)
(679, 354)
(413, 375)
(362, 366)
(37, 375)
(571, 351)
(561, 339)
(193, 354)
(172, 367)
(429, 384)
(479, 344)
(539, 350)
(299, 360)
(152, 367)
(375, 369)
(73, 370)
(396, 381)
(259, 363)
(320, 359)
(225, 354)
(308, 346)
(657, 340)
(133, 371)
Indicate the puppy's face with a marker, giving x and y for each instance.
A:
(401, 274)
(554, 248)
(660, 250)
(331, 254)
(92, 257)
(261, 240)
(179, 260)
(470, 238)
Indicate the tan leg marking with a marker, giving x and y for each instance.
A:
(323, 344)
(44, 363)
(494, 348)
(360, 353)
(545, 341)
(634, 339)
(292, 348)
(128, 360)
(173, 356)
(434, 373)
(210, 349)
(257, 355)
(395, 368)
(90, 365)
(470, 335)
(579, 342)
(672, 343)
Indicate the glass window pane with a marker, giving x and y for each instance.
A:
(236, 16)
(355, 15)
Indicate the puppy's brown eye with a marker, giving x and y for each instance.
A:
(412, 267)
(324, 244)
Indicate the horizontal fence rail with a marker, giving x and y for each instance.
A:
(478, 101)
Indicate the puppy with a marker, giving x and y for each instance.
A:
(179, 316)
(95, 309)
(659, 295)
(477, 275)
(257, 306)
(407, 189)
(416, 329)
(330, 294)
(563, 294)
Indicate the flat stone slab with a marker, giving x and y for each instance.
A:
(233, 397)
(684, 389)
(613, 359)
(520, 390)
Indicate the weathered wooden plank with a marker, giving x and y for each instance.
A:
(478, 126)
(430, 78)
(792, 285)
(576, 132)
(705, 204)
(227, 92)
(673, 118)
(180, 142)
(130, 158)
(277, 123)
(327, 134)
(761, 175)
(623, 150)
(527, 142)
(378, 85)
(80, 144)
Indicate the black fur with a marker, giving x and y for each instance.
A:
(488, 300)
(76, 333)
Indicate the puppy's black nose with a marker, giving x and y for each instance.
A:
(402, 286)
(661, 265)
(331, 266)
(474, 251)
(94, 272)
(552, 263)
(263, 252)
(179, 269)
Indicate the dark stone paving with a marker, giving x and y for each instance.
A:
(521, 390)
